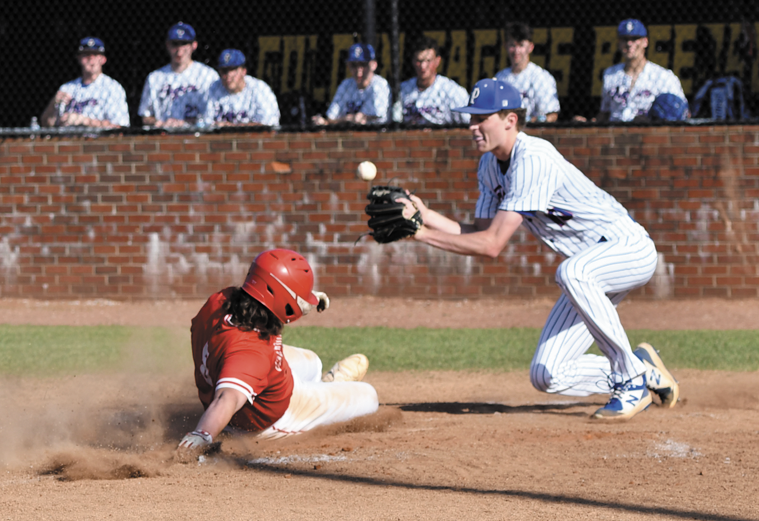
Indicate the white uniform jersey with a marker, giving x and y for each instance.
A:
(180, 96)
(537, 87)
(608, 255)
(624, 104)
(560, 206)
(256, 103)
(103, 99)
(374, 100)
(433, 105)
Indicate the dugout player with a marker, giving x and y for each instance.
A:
(175, 94)
(237, 99)
(249, 380)
(363, 98)
(92, 100)
(536, 85)
(428, 98)
(525, 181)
(630, 87)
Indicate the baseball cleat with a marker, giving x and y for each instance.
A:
(351, 369)
(658, 379)
(627, 400)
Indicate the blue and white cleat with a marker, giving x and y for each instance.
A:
(658, 379)
(627, 400)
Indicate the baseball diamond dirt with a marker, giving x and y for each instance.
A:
(444, 445)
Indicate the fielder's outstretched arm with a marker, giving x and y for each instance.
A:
(437, 221)
(489, 242)
(432, 219)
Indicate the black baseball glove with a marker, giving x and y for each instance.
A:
(386, 215)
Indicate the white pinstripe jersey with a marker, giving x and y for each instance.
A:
(103, 99)
(167, 94)
(560, 206)
(537, 87)
(374, 100)
(433, 105)
(623, 104)
(256, 103)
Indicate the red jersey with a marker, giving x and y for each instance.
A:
(226, 357)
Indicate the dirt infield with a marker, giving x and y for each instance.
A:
(442, 446)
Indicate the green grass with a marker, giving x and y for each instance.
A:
(421, 349)
(509, 349)
(54, 350)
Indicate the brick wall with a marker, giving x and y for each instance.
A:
(137, 217)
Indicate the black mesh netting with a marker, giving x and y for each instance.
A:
(299, 47)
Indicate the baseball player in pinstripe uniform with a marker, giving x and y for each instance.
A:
(174, 95)
(237, 99)
(362, 99)
(428, 98)
(630, 87)
(525, 181)
(248, 380)
(92, 100)
(536, 85)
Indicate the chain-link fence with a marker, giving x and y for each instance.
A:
(299, 48)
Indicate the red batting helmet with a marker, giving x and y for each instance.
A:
(283, 281)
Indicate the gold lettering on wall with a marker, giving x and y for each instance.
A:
(457, 59)
(539, 38)
(659, 37)
(684, 60)
(606, 46)
(340, 42)
(483, 62)
(693, 52)
(560, 64)
(734, 63)
(293, 56)
(268, 59)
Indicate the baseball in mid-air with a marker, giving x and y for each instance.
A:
(366, 170)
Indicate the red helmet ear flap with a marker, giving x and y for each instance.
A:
(283, 281)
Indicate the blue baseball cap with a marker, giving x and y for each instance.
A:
(231, 58)
(491, 95)
(361, 52)
(668, 107)
(91, 45)
(632, 28)
(181, 32)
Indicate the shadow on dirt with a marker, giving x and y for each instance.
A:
(494, 408)
(611, 506)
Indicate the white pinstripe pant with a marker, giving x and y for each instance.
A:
(315, 403)
(593, 282)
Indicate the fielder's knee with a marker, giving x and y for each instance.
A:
(571, 278)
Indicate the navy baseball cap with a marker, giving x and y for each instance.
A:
(491, 95)
(668, 107)
(231, 58)
(632, 28)
(361, 52)
(181, 32)
(91, 45)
